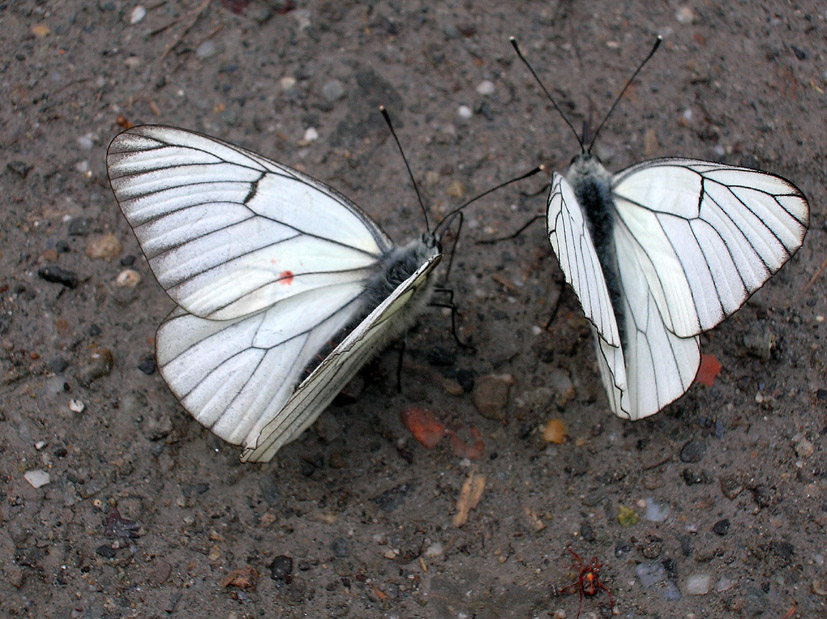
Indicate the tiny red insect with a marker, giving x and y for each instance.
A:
(588, 581)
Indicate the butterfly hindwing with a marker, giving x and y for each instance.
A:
(383, 324)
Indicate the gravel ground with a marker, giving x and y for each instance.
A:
(115, 503)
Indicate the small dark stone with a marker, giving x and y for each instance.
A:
(731, 487)
(623, 548)
(692, 477)
(105, 551)
(57, 275)
(671, 567)
(465, 378)
(547, 356)
(587, 532)
(269, 490)
(281, 569)
(94, 330)
(785, 550)
(339, 547)
(62, 247)
(79, 227)
(128, 260)
(97, 364)
(821, 395)
(765, 587)
(60, 452)
(652, 549)
(800, 53)
(441, 357)
(21, 168)
(686, 545)
(147, 365)
(58, 364)
(763, 495)
(693, 451)
(393, 498)
(721, 527)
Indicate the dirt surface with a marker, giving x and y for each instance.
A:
(146, 514)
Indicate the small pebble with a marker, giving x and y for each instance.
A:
(560, 382)
(76, 406)
(760, 340)
(339, 547)
(731, 487)
(333, 90)
(650, 573)
(105, 246)
(721, 527)
(56, 275)
(485, 87)
(626, 516)
(724, 584)
(685, 15)
(36, 478)
(656, 512)
(97, 364)
(804, 448)
(128, 278)
(206, 49)
(490, 395)
(434, 550)
(698, 584)
(287, 83)
(463, 111)
(281, 569)
(693, 451)
(137, 14)
(310, 135)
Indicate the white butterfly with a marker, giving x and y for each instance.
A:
(659, 253)
(270, 269)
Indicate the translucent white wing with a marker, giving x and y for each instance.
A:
(705, 235)
(572, 243)
(383, 324)
(654, 366)
(235, 376)
(227, 232)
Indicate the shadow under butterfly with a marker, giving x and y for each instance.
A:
(661, 252)
(285, 287)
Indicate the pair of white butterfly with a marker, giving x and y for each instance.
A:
(269, 267)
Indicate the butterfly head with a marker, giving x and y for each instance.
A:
(587, 166)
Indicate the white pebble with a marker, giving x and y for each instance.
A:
(311, 135)
(655, 512)
(36, 478)
(287, 82)
(82, 166)
(39, 445)
(464, 112)
(485, 87)
(535, 330)
(698, 584)
(724, 584)
(128, 278)
(685, 15)
(206, 49)
(434, 550)
(86, 142)
(76, 406)
(137, 14)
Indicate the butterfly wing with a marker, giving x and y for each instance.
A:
(572, 243)
(383, 324)
(706, 235)
(267, 264)
(227, 232)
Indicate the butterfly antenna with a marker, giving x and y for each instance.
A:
(387, 118)
(548, 94)
(450, 216)
(625, 88)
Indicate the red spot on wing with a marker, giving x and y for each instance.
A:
(286, 277)
(709, 370)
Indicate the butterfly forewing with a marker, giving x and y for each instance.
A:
(228, 232)
(707, 235)
(572, 243)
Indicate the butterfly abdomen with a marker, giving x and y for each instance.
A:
(592, 187)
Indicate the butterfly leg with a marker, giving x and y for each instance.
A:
(450, 305)
(513, 235)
